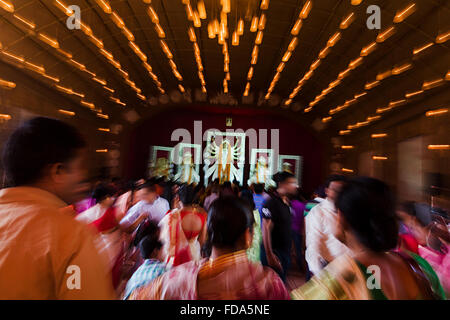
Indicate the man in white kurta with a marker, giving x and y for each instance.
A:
(321, 228)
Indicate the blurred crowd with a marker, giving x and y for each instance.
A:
(62, 237)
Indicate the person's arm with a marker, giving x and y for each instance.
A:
(272, 259)
(132, 219)
(313, 240)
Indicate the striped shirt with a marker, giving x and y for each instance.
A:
(148, 271)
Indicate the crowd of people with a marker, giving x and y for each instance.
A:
(156, 239)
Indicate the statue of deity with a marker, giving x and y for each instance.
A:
(224, 155)
(261, 173)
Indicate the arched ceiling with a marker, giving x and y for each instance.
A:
(337, 71)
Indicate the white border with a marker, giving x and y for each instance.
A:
(298, 165)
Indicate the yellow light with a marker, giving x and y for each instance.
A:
(293, 44)
(396, 103)
(254, 59)
(402, 68)
(152, 14)
(379, 158)
(357, 96)
(101, 150)
(403, 14)
(51, 42)
(104, 4)
(306, 9)
(235, 39)
(443, 37)
(101, 115)
(117, 20)
(226, 6)
(250, 73)
(280, 67)
(6, 5)
(254, 24)
(343, 132)
(264, 4)
(367, 50)
(344, 73)
(203, 89)
(226, 68)
(334, 39)
(101, 81)
(90, 105)
(347, 21)
(7, 84)
(259, 37)
(109, 89)
(378, 135)
(420, 49)
(191, 34)
(66, 112)
(334, 83)
(412, 94)
(51, 78)
(181, 88)
(307, 109)
(356, 2)
(432, 84)
(36, 68)
(296, 28)
(326, 119)
(382, 110)
(262, 22)
(324, 52)
(211, 33)
(64, 7)
(373, 118)
(196, 20)
(385, 34)
(436, 112)
(96, 41)
(287, 56)
(160, 31)
(65, 53)
(240, 27)
(355, 63)
(384, 75)
(347, 170)
(371, 85)
(30, 24)
(166, 49)
(104, 129)
(255, 51)
(201, 10)
(138, 51)
(107, 54)
(438, 147)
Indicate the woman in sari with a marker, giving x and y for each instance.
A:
(183, 229)
(228, 274)
(369, 228)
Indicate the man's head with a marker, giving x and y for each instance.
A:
(287, 183)
(147, 192)
(333, 186)
(49, 154)
(258, 188)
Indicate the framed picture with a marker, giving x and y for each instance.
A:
(161, 162)
(291, 163)
(224, 156)
(261, 167)
(187, 158)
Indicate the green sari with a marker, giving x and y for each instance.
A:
(346, 279)
(254, 252)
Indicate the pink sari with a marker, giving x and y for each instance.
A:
(440, 263)
(229, 277)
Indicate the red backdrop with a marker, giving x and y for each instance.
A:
(293, 139)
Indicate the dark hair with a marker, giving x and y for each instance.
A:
(334, 178)
(281, 177)
(148, 185)
(102, 191)
(186, 194)
(228, 218)
(368, 207)
(227, 185)
(247, 196)
(258, 188)
(37, 143)
(420, 211)
(147, 238)
(320, 191)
